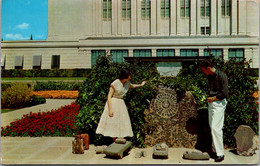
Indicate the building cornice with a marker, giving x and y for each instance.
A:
(136, 42)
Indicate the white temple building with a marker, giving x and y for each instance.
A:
(80, 30)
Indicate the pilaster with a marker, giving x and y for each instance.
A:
(213, 18)
(173, 18)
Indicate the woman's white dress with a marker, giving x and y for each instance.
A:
(119, 125)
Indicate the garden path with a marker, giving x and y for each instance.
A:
(7, 118)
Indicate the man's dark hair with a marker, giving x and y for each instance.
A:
(124, 74)
(205, 63)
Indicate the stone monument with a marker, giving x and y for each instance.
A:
(246, 141)
(170, 121)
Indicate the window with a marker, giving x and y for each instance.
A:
(189, 52)
(95, 54)
(205, 30)
(126, 9)
(237, 54)
(142, 53)
(167, 52)
(205, 8)
(18, 64)
(55, 61)
(185, 8)
(165, 8)
(213, 52)
(37, 61)
(225, 7)
(107, 10)
(118, 55)
(146, 9)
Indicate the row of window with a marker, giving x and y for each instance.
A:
(118, 56)
(165, 8)
(36, 63)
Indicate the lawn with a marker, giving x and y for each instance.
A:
(7, 110)
(41, 78)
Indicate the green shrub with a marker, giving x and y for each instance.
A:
(241, 108)
(45, 73)
(5, 85)
(57, 85)
(15, 96)
(93, 95)
(35, 100)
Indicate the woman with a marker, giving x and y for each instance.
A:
(115, 121)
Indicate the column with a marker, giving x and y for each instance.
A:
(114, 17)
(219, 31)
(158, 17)
(94, 18)
(153, 52)
(198, 18)
(27, 62)
(234, 17)
(225, 54)
(242, 18)
(248, 54)
(46, 61)
(178, 26)
(133, 17)
(177, 52)
(100, 19)
(131, 53)
(201, 52)
(87, 53)
(213, 18)
(119, 16)
(138, 14)
(153, 18)
(173, 17)
(193, 17)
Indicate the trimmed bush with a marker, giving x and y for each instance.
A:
(15, 96)
(45, 73)
(57, 85)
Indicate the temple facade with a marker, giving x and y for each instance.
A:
(80, 30)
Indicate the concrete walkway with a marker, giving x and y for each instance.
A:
(58, 150)
(7, 118)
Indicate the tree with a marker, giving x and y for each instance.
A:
(31, 38)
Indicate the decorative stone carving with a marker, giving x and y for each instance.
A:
(246, 140)
(170, 121)
(196, 155)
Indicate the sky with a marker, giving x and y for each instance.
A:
(22, 18)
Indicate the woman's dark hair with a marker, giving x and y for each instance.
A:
(124, 74)
(205, 63)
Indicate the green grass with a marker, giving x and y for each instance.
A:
(7, 110)
(41, 78)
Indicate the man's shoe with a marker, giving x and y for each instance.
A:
(219, 158)
(213, 155)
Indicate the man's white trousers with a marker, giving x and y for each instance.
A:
(216, 121)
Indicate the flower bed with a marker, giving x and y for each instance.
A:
(58, 122)
(57, 94)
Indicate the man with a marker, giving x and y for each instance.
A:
(218, 84)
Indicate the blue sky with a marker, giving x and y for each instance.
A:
(21, 18)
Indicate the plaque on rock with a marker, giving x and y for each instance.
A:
(246, 140)
(168, 120)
